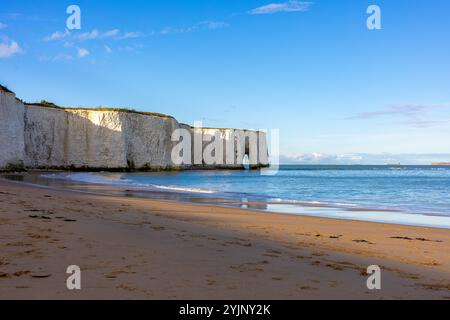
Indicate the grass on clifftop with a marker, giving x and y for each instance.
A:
(48, 104)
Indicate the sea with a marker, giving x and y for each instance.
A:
(407, 195)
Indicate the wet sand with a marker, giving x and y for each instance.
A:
(131, 248)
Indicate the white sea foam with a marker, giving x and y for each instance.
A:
(315, 203)
(195, 190)
(116, 180)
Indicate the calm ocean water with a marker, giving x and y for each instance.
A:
(415, 195)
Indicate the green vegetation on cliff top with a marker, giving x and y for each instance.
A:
(48, 104)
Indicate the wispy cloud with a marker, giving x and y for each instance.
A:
(94, 34)
(3, 26)
(57, 58)
(413, 115)
(290, 6)
(135, 48)
(90, 35)
(321, 158)
(111, 33)
(117, 34)
(9, 48)
(24, 17)
(58, 35)
(209, 25)
(130, 35)
(62, 57)
(170, 30)
(78, 41)
(212, 25)
(407, 110)
(365, 158)
(82, 52)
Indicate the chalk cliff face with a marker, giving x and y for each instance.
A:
(74, 138)
(236, 144)
(148, 140)
(44, 137)
(11, 130)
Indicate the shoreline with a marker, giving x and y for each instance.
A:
(183, 195)
(130, 246)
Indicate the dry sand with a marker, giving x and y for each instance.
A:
(131, 248)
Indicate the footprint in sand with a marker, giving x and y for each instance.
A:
(21, 273)
(19, 244)
(335, 267)
(306, 288)
(319, 254)
(416, 239)
(39, 217)
(237, 243)
(40, 275)
(362, 241)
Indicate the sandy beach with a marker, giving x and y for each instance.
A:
(129, 248)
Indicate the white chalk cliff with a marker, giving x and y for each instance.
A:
(45, 137)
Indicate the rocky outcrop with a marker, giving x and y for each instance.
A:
(45, 136)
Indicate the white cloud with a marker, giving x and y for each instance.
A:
(3, 26)
(82, 52)
(210, 25)
(58, 35)
(9, 49)
(413, 115)
(364, 158)
(73, 40)
(214, 24)
(321, 158)
(110, 33)
(290, 6)
(91, 35)
(170, 30)
(68, 44)
(62, 57)
(114, 33)
(130, 35)
(135, 48)
(58, 57)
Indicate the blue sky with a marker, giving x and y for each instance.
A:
(338, 92)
